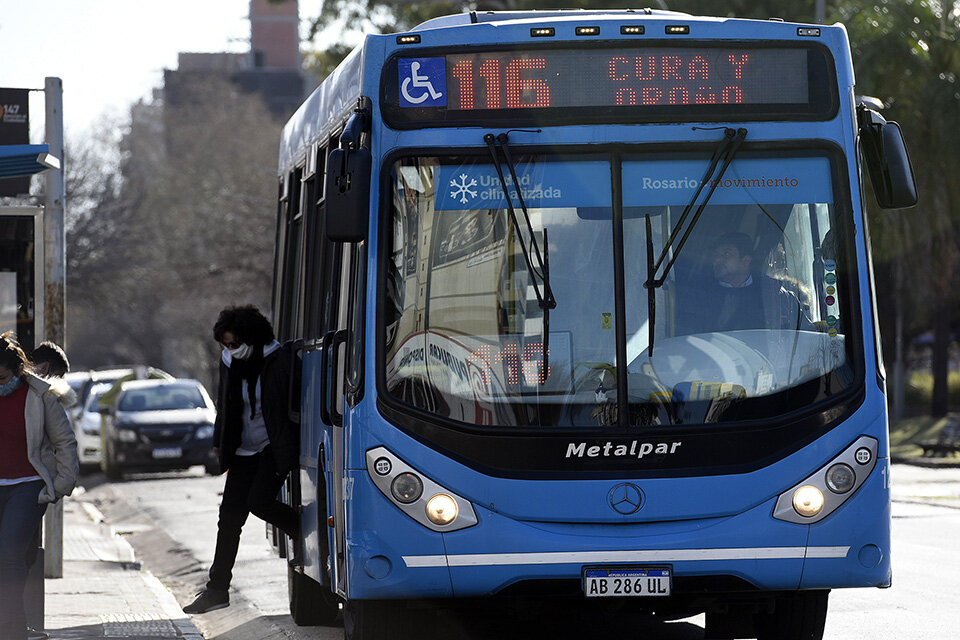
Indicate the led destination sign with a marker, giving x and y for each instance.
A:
(605, 84)
(622, 78)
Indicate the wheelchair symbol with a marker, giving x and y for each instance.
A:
(419, 82)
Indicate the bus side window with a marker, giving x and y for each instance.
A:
(288, 316)
(356, 320)
(314, 291)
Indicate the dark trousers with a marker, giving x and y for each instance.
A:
(20, 516)
(251, 487)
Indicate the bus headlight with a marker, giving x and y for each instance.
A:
(840, 478)
(442, 510)
(808, 501)
(429, 503)
(406, 488)
(826, 489)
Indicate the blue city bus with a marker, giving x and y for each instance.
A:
(583, 310)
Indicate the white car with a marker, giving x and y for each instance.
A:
(87, 427)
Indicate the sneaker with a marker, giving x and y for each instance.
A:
(33, 634)
(208, 600)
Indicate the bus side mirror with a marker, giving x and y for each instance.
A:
(348, 184)
(348, 194)
(888, 163)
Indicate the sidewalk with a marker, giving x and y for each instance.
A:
(926, 483)
(104, 592)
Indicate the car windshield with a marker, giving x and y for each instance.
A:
(162, 398)
(76, 384)
(752, 320)
(93, 398)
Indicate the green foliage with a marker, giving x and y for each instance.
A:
(389, 16)
(323, 61)
(919, 389)
(906, 433)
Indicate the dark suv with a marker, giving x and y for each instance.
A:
(158, 425)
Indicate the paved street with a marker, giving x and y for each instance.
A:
(170, 521)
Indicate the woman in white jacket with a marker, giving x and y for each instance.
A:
(38, 465)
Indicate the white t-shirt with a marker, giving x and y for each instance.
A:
(254, 438)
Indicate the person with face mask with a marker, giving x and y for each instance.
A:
(38, 466)
(254, 440)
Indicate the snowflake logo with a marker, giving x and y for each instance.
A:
(463, 189)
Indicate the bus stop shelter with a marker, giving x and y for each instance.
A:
(22, 247)
(19, 160)
(32, 273)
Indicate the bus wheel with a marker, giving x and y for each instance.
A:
(371, 619)
(796, 616)
(311, 603)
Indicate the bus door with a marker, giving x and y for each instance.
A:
(334, 402)
(342, 346)
(327, 274)
(300, 296)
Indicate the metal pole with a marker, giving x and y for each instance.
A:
(54, 271)
(821, 11)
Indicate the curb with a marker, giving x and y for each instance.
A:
(105, 592)
(928, 463)
(181, 575)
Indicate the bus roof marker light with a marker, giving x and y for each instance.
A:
(813, 32)
(676, 29)
(632, 30)
(542, 32)
(412, 38)
(588, 31)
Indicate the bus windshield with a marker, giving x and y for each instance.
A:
(753, 319)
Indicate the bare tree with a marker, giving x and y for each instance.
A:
(185, 228)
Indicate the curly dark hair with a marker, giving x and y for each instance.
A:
(12, 356)
(246, 323)
(51, 353)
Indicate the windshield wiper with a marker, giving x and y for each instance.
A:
(542, 269)
(722, 157)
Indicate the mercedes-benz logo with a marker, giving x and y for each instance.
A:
(626, 498)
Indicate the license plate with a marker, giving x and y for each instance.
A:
(167, 452)
(600, 582)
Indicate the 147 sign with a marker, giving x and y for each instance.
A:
(14, 116)
(14, 130)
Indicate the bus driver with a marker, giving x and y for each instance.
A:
(740, 298)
